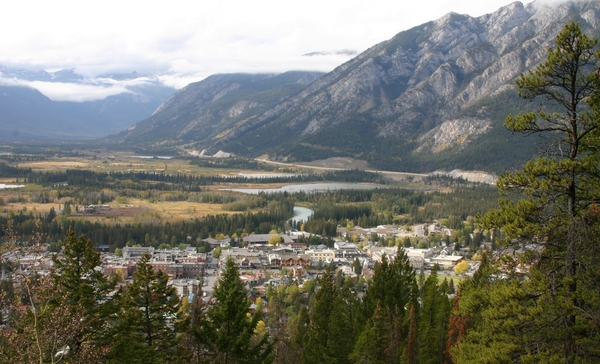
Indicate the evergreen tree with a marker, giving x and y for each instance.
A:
(341, 338)
(231, 332)
(316, 349)
(372, 344)
(195, 330)
(558, 213)
(433, 321)
(393, 286)
(80, 284)
(300, 333)
(145, 330)
(409, 356)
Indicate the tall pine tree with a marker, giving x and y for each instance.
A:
(232, 332)
(556, 216)
(144, 331)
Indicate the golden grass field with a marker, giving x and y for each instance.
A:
(160, 210)
(120, 162)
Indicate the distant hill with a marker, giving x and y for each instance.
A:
(432, 97)
(204, 111)
(26, 114)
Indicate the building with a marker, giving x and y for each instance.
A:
(326, 255)
(136, 253)
(446, 261)
(264, 238)
(223, 243)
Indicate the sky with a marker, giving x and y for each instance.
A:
(183, 41)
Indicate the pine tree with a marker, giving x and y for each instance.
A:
(80, 284)
(342, 338)
(373, 341)
(433, 321)
(232, 332)
(59, 306)
(145, 330)
(393, 286)
(195, 331)
(316, 349)
(557, 213)
(409, 356)
(300, 334)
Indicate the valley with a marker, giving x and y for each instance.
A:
(431, 200)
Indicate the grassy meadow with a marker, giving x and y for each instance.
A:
(21, 199)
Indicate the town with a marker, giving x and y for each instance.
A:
(262, 261)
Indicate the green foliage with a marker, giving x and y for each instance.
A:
(462, 267)
(231, 330)
(546, 317)
(147, 308)
(434, 320)
(82, 288)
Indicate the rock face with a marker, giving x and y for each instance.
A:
(471, 176)
(425, 91)
(452, 132)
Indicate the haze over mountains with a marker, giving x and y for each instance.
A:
(28, 114)
(432, 97)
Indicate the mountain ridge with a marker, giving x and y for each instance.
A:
(416, 81)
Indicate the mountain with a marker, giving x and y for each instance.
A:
(203, 111)
(23, 108)
(432, 97)
(27, 114)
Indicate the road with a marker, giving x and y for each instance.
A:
(397, 175)
(419, 230)
(211, 279)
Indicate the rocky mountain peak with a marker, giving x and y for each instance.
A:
(431, 92)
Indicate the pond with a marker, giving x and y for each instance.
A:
(311, 187)
(267, 175)
(5, 186)
(301, 213)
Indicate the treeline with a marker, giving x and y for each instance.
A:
(365, 208)
(167, 181)
(231, 163)
(369, 208)
(117, 235)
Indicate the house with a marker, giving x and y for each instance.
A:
(301, 260)
(294, 245)
(343, 245)
(275, 261)
(418, 253)
(347, 271)
(376, 253)
(185, 287)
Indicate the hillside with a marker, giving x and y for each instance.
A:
(203, 111)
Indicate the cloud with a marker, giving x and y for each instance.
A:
(186, 40)
(76, 92)
(59, 91)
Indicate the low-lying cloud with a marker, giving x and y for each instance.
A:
(59, 91)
